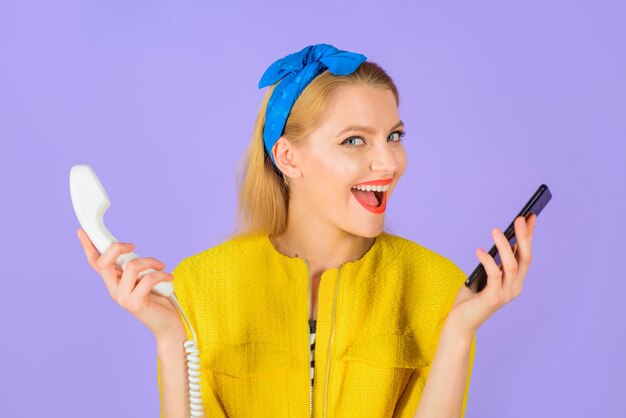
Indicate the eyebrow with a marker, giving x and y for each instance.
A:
(367, 129)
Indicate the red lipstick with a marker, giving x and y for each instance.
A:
(383, 204)
(375, 182)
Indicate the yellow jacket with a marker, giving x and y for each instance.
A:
(378, 317)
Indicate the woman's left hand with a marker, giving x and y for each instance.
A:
(504, 283)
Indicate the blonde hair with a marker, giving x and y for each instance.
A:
(263, 189)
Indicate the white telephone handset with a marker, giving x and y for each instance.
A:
(90, 201)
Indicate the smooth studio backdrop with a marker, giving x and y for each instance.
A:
(160, 98)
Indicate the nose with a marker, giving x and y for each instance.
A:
(384, 160)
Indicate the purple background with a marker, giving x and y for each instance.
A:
(160, 99)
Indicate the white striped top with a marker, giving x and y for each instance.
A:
(312, 324)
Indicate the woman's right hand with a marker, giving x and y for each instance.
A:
(153, 310)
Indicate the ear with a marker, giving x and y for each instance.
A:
(285, 156)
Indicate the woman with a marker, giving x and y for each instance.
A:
(393, 324)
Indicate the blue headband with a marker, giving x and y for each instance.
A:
(299, 69)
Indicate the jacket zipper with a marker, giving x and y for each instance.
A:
(330, 344)
(309, 337)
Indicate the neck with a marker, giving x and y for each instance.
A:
(320, 244)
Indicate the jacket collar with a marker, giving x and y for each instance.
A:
(373, 248)
(385, 250)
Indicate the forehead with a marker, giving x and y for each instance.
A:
(360, 105)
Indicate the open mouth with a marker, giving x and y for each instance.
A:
(369, 198)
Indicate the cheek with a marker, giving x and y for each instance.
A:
(330, 182)
(334, 171)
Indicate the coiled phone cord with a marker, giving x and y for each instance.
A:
(193, 367)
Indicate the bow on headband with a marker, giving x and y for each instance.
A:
(298, 70)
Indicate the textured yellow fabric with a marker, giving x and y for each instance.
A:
(379, 317)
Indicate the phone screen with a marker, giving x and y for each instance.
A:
(478, 279)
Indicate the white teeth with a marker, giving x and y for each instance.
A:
(372, 188)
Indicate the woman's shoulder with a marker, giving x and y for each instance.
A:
(415, 253)
(228, 250)
(432, 279)
(431, 268)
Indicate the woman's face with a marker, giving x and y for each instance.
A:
(358, 142)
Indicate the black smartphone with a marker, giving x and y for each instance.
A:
(478, 279)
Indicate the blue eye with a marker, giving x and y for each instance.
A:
(399, 133)
(352, 137)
